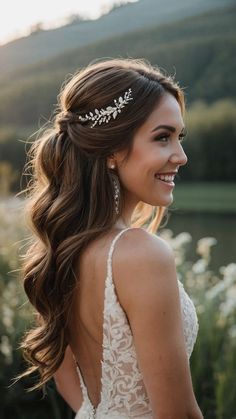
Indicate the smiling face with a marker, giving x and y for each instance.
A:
(156, 149)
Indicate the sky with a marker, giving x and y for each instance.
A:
(16, 17)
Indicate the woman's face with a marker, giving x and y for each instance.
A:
(156, 149)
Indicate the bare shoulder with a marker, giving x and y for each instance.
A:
(147, 287)
(142, 246)
(144, 263)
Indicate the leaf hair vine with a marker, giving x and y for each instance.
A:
(101, 116)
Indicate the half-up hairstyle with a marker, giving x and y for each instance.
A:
(70, 198)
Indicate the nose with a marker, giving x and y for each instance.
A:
(178, 156)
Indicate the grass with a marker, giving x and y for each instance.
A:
(207, 196)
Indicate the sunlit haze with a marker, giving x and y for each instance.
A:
(17, 18)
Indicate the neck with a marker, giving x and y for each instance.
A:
(121, 223)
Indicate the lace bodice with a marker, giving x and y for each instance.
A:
(123, 394)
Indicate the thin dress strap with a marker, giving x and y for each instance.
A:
(109, 259)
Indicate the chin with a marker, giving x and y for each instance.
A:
(158, 201)
(164, 202)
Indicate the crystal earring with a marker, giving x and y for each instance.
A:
(116, 192)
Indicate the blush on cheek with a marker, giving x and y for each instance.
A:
(137, 154)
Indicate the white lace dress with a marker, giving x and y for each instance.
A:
(123, 394)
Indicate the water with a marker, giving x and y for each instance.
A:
(220, 226)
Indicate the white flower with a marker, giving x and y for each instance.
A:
(229, 271)
(229, 305)
(182, 239)
(204, 246)
(7, 316)
(167, 235)
(6, 349)
(200, 266)
(227, 285)
(215, 290)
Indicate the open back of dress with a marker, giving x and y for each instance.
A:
(123, 394)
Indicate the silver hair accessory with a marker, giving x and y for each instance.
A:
(104, 115)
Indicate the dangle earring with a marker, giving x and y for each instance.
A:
(116, 185)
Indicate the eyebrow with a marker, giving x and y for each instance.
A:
(169, 127)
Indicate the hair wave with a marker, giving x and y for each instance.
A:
(70, 194)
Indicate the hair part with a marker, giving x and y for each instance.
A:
(70, 196)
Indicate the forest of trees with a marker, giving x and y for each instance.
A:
(202, 59)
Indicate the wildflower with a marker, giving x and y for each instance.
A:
(204, 246)
(182, 239)
(6, 349)
(200, 266)
(229, 271)
(7, 317)
(229, 305)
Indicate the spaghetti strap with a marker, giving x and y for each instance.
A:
(109, 259)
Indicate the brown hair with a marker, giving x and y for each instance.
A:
(70, 196)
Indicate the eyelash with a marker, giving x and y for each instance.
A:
(181, 137)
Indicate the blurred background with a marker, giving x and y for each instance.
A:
(195, 41)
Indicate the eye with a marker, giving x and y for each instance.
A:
(162, 137)
(183, 135)
(165, 137)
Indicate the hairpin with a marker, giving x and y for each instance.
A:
(100, 116)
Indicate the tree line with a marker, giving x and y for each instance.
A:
(210, 145)
(202, 58)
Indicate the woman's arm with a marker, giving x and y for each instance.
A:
(67, 381)
(147, 287)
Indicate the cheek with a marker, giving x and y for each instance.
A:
(136, 154)
(160, 153)
(142, 164)
(143, 159)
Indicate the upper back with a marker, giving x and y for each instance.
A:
(86, 325)
(91, 274)
(94, 263)
(101, 332)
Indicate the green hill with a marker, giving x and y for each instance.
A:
(200, 50)
(125, 19)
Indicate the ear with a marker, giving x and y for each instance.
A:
(110, 161)
(116, 159)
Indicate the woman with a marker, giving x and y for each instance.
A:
(116, 328)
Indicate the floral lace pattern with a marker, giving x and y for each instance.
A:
(123, 394)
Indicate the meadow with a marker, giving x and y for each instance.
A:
(213, 292)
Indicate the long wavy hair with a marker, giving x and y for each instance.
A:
(70, 200)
